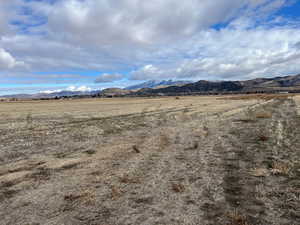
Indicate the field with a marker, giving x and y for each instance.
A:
(207, 160)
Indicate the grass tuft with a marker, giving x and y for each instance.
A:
(279, 168)
(236, 218)
(130, 180)
(259, 172)
(178, 188)
(115, 193)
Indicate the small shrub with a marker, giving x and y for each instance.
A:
(115, 193)
(163, 141)
(178, 188)
(237, 219)
(86, 197)
(280, 168)
(29, 121)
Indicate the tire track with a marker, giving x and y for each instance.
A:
(248, 152)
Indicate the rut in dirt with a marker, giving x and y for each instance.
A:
(255, 191)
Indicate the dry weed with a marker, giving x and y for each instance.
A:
(264, 97)
(236, 218)
(280, 168)
(178, 188)
(164, 141)
(115, 193)
(130, 180)
(86, 197)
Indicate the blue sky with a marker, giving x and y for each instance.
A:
(92, 44)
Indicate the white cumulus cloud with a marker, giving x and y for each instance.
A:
(153, 39)
(82, 88)
(7, 61)
(232, 53)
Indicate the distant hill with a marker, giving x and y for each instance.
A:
(113, 92)
(157, 84)
(287, 83)
(169, 87)
(200, 86)
(51, 95)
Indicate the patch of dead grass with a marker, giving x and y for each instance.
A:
(130, 180)
(264, 97)
(259, 172)
(115, 192)
(178, 188)
(86, 197)
(279, 168)
(164, 141)
(236, 218)
(263, 115)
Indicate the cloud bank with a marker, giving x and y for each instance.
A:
(70, 88)
(141, 40)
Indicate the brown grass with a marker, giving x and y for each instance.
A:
(236, 218)
(263, 115)
(130, 180)
(138, 186)
(279, 168)
(164, 141)
(86, 197)
(259, 172)
(178, 188)
(265, 97)
(115, 192)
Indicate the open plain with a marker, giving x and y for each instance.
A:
(210, 160)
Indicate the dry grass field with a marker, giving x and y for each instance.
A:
(151, 161)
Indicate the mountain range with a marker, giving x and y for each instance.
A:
(170, 87)
(157, 84)
(51, 95)
(276, 84)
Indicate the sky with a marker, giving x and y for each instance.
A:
(50, 45)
